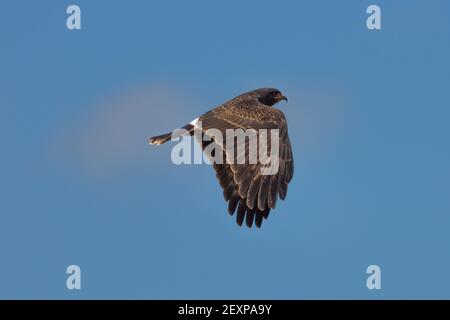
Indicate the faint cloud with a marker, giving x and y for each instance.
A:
(113, 135)
(318, 115)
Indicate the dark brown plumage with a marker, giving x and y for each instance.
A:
(249, 194)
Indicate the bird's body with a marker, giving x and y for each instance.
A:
(249, 192)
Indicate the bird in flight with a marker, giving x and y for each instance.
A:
(249, 193)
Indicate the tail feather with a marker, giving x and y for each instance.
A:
(160, 139)
(186, 130)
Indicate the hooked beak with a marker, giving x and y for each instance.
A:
(284, 98)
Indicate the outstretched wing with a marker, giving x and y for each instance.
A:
(249, 192)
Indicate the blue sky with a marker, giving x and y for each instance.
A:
(368, 117)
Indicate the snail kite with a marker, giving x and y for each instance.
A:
(248, 192)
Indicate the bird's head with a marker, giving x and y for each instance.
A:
(269, 96)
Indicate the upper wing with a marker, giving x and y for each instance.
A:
(247, 190)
